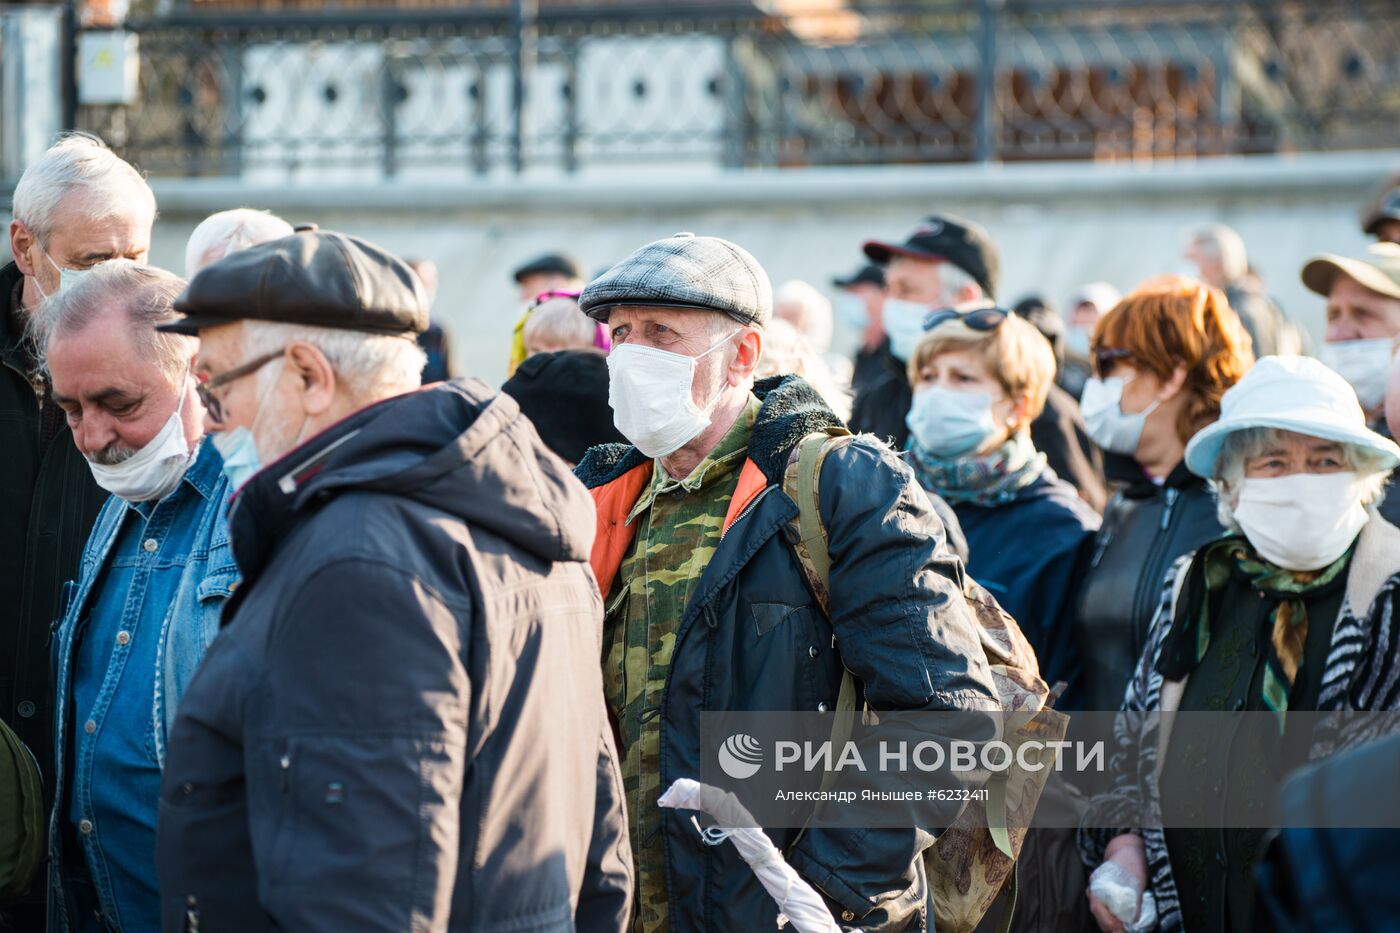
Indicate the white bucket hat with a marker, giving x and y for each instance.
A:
(1291, 393)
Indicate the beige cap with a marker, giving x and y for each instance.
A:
(1378, 270)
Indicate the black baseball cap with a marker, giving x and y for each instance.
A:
(952, 239)
(1385, 207)
(314, 277)
(549, 264)
(868, 274)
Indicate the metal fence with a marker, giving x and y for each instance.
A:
(443, 93)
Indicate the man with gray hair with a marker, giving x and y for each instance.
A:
(710, 607)
(76, 206)
(155, 573)
(402, 724)
(226, 232)
(1218, 253)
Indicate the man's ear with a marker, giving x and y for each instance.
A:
(746, 359)
(21, 240)
(315, 378)
(1173, 386)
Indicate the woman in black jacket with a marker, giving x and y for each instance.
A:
(1163, 359)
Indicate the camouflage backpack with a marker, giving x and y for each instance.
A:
(21, 816)
(975, 858)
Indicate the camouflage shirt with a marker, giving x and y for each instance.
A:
(678, 529)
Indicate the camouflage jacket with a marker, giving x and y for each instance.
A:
(752, 638)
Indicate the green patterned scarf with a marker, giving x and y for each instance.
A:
(993, 479)
(1287, 620)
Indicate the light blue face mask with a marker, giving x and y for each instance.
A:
(240, 453)
(950, 424)
(851, 311)
(67, 277)
(239, 448)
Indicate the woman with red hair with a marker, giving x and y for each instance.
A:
(1163, 358)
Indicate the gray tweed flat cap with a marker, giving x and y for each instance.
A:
(702, 273)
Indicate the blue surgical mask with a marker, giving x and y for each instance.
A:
(950, 424)
(67, 277)
(904, 323)
(851, 311)
(240, 453)
(239, 446)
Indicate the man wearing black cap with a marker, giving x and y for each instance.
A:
(401, 724)
(945, 262)
(550, 272)
(1382, 217)
(860, 307)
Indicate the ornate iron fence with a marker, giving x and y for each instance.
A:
(444, 93)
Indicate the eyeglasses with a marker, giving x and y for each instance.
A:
(205, 390)
(980, 319)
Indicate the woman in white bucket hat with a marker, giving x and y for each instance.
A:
(1292, 610)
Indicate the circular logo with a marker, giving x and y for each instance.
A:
(741, 756)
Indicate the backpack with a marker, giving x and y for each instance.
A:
(975, 858)
(22, 839)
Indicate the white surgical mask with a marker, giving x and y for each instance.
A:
(1363, 363)
(1112, 428)
(650, 394)
(1303, 521)
(904, 323)
(155, 470)
(851, 311)
(67, 277)
(950, 424)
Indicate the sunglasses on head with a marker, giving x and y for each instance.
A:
(542, 297)
(980, 319)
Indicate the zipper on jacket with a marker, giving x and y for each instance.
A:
(746, 510)
(1171, 496)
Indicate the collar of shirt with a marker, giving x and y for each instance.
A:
(727, 455)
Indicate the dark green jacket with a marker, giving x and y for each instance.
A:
(48, 501)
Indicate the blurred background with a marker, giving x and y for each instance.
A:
(1087, 136)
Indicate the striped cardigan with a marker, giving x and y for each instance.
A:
(1362, 674)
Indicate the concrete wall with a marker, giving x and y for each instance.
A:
(1058, 225)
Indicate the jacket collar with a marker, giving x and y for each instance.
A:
(1129, 473)
(11, 345)
(1376, 560)
(790, 410)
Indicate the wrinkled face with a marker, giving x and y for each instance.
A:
(77, 241)
(268, 409)
(1297, 453)
(689, 333)
(918, 280)
(116, 398)
(1354, 312)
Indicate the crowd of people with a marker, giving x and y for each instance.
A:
(304, 631)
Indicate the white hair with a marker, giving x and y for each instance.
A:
(227, 232)
(786, 351)
(814, 319)
(145, 294)
(369, 366)
(1241, 446)
(953, 279)
(558, 324)
(1224, 244)
(79, 164)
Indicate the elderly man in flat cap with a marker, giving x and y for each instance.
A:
(401, 725)
(709, 607)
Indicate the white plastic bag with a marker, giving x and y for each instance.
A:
(1118, 889)
(798, 901)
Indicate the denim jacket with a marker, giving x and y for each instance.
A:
(189, 623)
